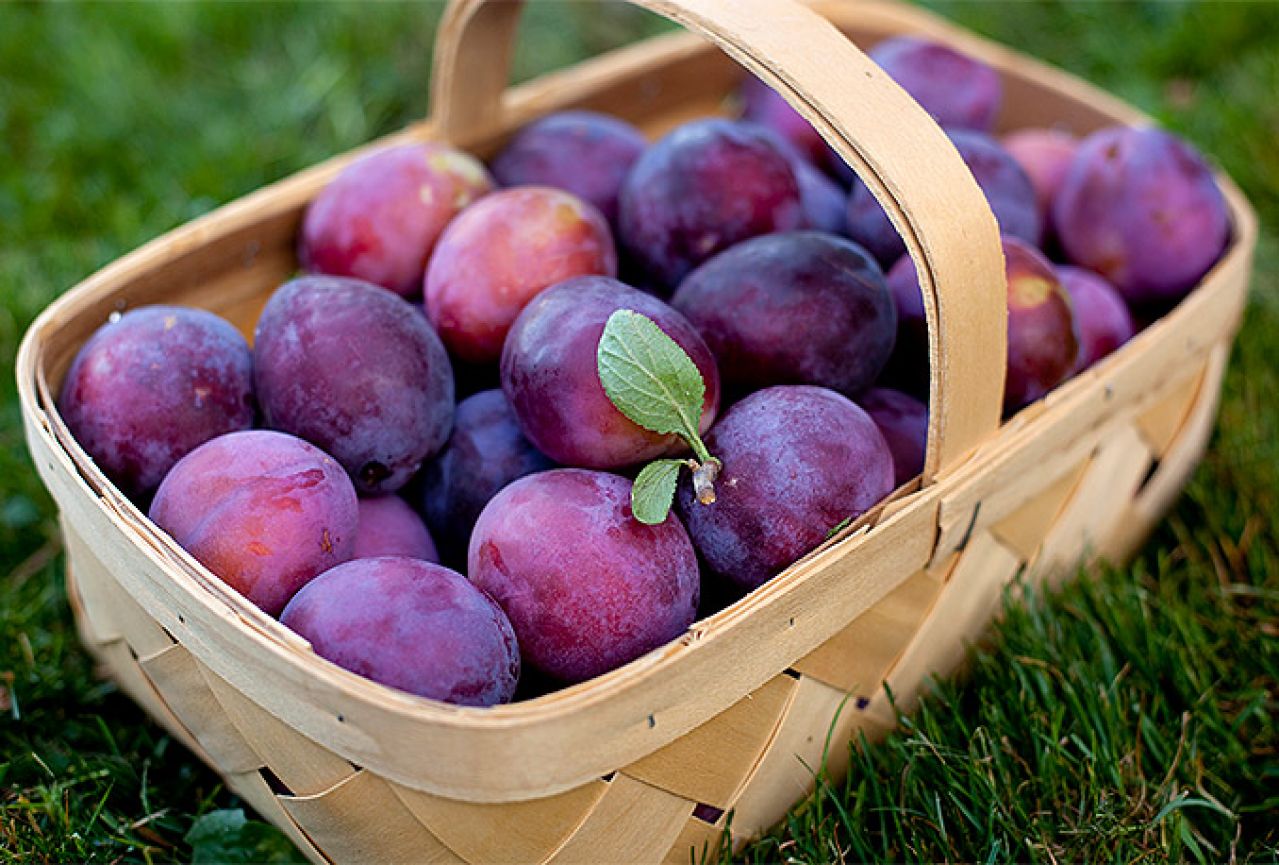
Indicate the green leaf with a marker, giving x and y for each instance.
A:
(654, 490)
(227, 836)
(649, 377)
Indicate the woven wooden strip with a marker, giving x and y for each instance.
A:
(808, 735)
(362, 820)
(1160, 422)
(1023, 530)
(253, 789)
(510, 832)
(632, 822)
(709, 764)
(176, 674)
(697, 843)
(110, 611)
(303, 766)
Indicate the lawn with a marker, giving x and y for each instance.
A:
(1131, 716)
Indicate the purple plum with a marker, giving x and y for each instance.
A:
(1043, 336)
(1103, 318)
(957, 90)
(1045, 155)
(389, 527)
(903, 420)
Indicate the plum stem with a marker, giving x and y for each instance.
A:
(704, 475)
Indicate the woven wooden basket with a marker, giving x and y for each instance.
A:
(643, 764)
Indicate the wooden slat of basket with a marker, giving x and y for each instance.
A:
(1160, 423)
(254, 789)
(709, 764)
(633, 822)
(698, 842)
(508, 832)
(1024, 529)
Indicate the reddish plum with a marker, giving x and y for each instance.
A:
(797, 461)
(153, 384)
(413, 625)
(389, 527)
(357, 371)
(705, 186)
(485, 453)
(1141, 207)
(1043, 337)
(1045, 155)
(380, 218)
(500, 253)
(957, 90)
(264, 511)
(1104, 320)
(903, 420)
(581, 152)
(751, 301)
(587, 586)
(550, 374)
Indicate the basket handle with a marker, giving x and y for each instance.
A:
(904, 158)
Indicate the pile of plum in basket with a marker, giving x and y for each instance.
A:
(681, 361)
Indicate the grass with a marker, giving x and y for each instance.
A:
(1129, 717)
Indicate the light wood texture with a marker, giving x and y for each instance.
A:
(738, 713)
(909, 165)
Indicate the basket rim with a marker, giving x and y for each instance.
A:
(39, 411)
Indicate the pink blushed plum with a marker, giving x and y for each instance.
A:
(500, 254)
(1045, 155)
(1141, 208)
(380, 218)
(151, 386)
(1104, 320)
(1043, 336)
(264, 511)
(587, 586)
(389, 527)
(413, 625)
(550, 374)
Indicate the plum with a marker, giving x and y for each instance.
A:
(389, 527)
(751, 301)
(413, 625)
(551, 377)
(485, 453)
(1007, 188)
(1045, 155)
(500, 253)
(264, 511)
(903, 420)
(1141, 207)
(703, 187)
(957, 90)
(763, 105)
(582, 152)
(908, 367)
(357, 371)
(587, 587)
(1104, 320)
(797, 461)
(825, 204)
(150, 386)
(380, 217)
(1043, 336)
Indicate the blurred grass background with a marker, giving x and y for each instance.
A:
(1132, 716)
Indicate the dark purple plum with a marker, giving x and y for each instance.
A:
(793, 308)
(485, 453)
(389, 527)
(903, 420)
(413, 625)
(957, 90)
(153, 384)
(703, 187)
(499, 254)
(264, 511)
(551, 378)
(1103, 318)
(587, 587)
(1043, 337)
(908, 367)
(797, 461)
(380, 218)
(1045, 155)
(1007, 188)
(825, 204)
(581, 152)
(763, 105)
(357, 371)
(1141, 207)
